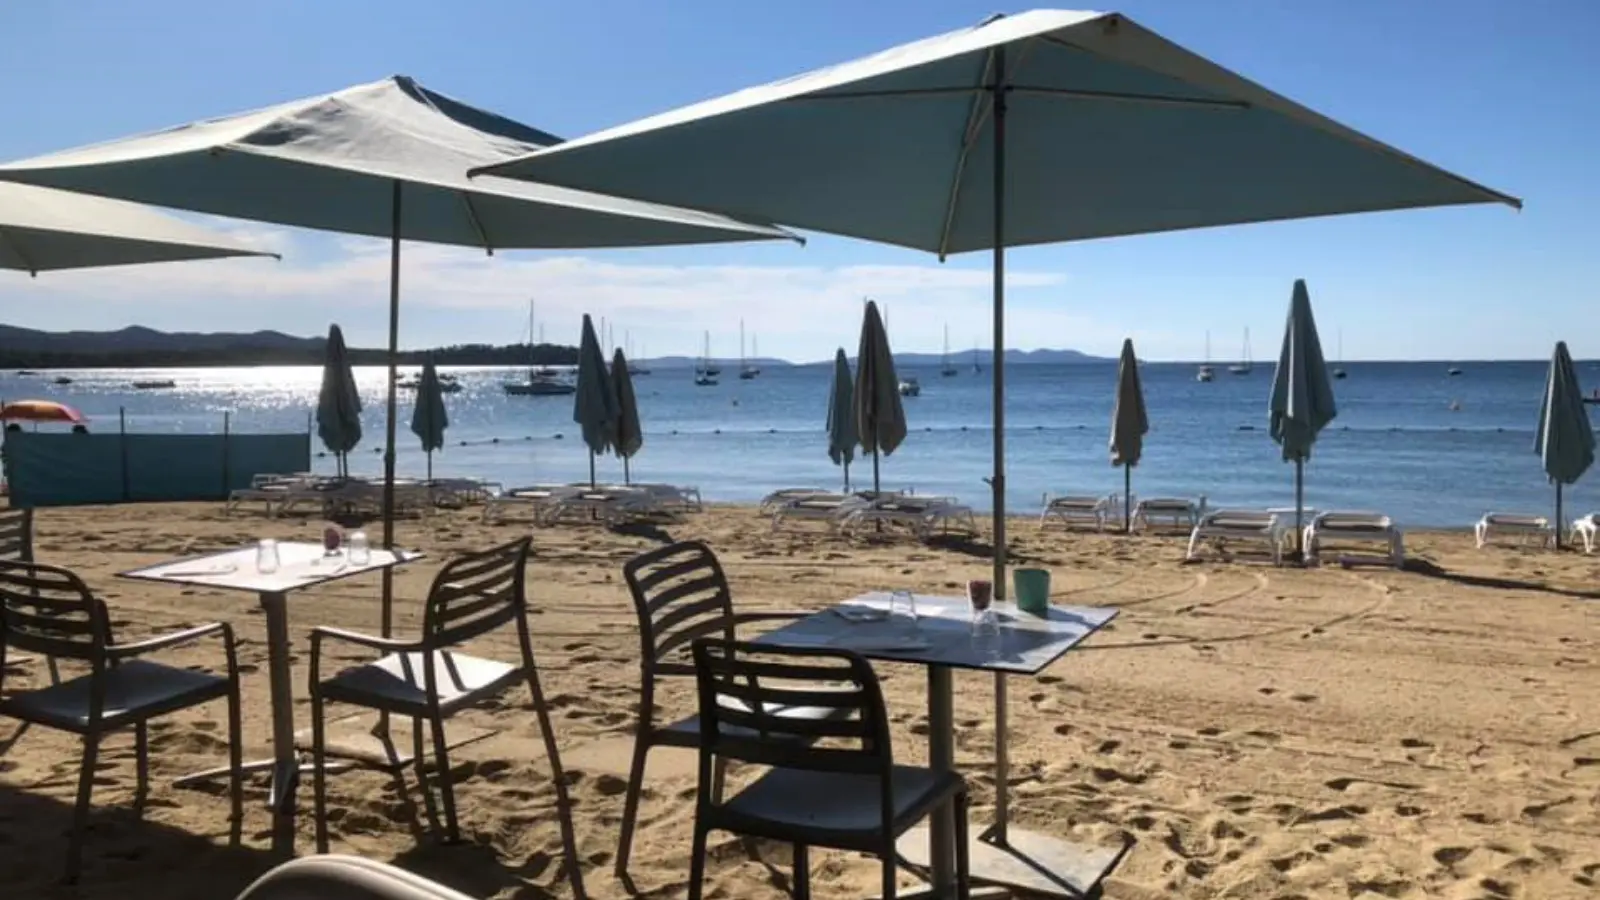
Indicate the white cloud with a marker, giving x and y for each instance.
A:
(457, 295)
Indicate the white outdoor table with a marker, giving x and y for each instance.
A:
(1024, 644)
(300, 566)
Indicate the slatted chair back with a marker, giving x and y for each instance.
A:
(49, 610)
(680, 593)
(16, 534)
(477, 593)
(746, 689)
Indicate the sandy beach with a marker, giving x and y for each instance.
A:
(1262, 733)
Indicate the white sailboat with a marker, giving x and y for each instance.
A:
(945, 368)
(746, 370)
(542, 381)
(1244, 366)
(705, 374)
(1204, 373)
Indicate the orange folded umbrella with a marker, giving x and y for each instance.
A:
(40, 411)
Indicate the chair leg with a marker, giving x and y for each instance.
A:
(80, 813)
(447, 793)
(719, 776)
(141, 755)
(802, 873)
(236, 759)
(630, 804)
(697, 861)
(319, 770)
(963, 876)
(891, 874)
(569, 841)
(420, 760)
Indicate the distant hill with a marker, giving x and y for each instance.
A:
(689, 362)
(139, 347)
(985, 358)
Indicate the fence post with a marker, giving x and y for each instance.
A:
(122, 446)
(227, 479)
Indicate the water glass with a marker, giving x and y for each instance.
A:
(359, 550)
(903, 607)
(267, 556)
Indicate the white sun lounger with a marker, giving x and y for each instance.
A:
(1587, 530)
(1336, 529)
(1524, 528)
(832, 508)
(922, 516)
(607, 504)
(534, 497)
(1078, 510)
(1247, 525)
(1175, 513)
(774, 501)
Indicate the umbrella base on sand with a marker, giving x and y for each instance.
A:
(363, 738)
(1033, 862)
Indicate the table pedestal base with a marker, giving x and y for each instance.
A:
(1034, 862)
(358, 738)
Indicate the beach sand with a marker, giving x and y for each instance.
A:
(1261, 733)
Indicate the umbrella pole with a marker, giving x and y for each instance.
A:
(847, 476)
(876, 487)
(1002, 763)
(1127, 499)
(1558, 515)
(430, 465)
(388, 448)
(591, 469)
(1299, 505)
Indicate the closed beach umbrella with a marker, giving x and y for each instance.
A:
(430, 419)
(880, 418)
(1564, 440)
(1302, 394)
(594, 406)
(43, 229)
(338, 403)
(40, 411)
(842, 438)
(629, 437)
(1129, 424)
(1041, 127)
(387, 159)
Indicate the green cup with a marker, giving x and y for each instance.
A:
(1033, 590)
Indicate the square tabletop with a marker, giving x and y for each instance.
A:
(943, 635)
(300, 565)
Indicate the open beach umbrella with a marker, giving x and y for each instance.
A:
(40, 411)
(1041, 127)
(594, 405)
(842, 438)
(387, 159)
(1129, 424)
(44, 230)
(629, 437)
(1302, 394)
(880, 417)
(1564, 440)
(338, 402)
(430, 419)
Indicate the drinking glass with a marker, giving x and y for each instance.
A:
(903, 607)
(980, 596)
(359, 550)
(331, 539)
(267, 556)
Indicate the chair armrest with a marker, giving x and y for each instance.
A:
(388, 645)
(166, 641)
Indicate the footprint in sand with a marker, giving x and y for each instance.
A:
(1209, 731)
(1303, 698)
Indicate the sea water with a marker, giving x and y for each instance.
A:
(1429, 448)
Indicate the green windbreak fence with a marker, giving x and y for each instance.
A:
(45, 469)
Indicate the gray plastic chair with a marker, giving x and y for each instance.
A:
(427, 680)
(333, 877)
(847, 794)
(49, 610)
(680, 593)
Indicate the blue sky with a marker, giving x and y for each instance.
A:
(1503, 93)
